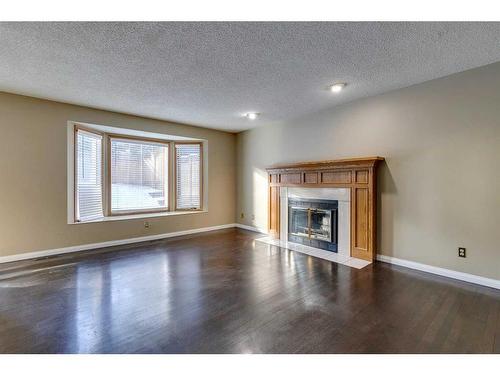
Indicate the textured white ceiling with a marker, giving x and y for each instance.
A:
(209, 74)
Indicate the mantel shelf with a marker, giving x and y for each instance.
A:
(330, 164)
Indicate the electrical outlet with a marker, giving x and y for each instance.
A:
(461, 252)
(253, 217)
(146, 224)
(242, 215)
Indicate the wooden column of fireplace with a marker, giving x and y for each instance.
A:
(358, 174)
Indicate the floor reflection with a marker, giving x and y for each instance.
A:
(224, 292)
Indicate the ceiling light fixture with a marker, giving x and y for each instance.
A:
(252, 115)
(337, 87)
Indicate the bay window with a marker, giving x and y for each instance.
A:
(118, 174)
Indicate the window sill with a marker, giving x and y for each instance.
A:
(140, 216)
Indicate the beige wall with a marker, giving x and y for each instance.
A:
(440, 185)
(33, 196)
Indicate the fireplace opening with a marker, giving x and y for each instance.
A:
(313, 222)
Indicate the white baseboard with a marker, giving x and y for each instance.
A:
(492, 283)
(249, 227)
(72, 249)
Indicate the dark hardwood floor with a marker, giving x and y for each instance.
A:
(222, 292)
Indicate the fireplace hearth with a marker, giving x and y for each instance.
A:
(313, 222)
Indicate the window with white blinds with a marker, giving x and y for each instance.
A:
(188, 176)
(88, 155)
(118, 175)
(139, 175)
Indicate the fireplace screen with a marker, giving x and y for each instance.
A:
(313, 222)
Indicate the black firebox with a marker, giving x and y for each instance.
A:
(313, 222)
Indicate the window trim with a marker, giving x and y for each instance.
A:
(108, 186)
(175, 176)
(77, 128)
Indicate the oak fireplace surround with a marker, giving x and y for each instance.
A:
(359, 175)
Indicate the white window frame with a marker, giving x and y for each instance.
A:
(108, 132)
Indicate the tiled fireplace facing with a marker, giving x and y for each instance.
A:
(339, 203)
(343, 203)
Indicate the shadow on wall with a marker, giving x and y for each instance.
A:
(386, 194)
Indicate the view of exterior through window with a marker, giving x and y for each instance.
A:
(131, 175)
(139, 176)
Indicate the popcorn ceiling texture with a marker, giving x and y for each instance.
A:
(209, 74)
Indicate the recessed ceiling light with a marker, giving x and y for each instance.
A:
(337, 87)
(252, 115)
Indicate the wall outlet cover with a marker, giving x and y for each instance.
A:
(461, 252)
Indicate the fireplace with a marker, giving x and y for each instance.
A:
(356, 176)
(313, 222)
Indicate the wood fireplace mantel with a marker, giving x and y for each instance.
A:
(358, 174)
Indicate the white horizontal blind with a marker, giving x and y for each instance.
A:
(188, 176)
(88, 176)
(139, 176)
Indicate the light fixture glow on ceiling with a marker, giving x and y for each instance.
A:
(337, 87)
(252, 115)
